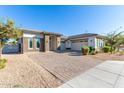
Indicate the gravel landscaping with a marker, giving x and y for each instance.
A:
(108, 56)
(23, 72)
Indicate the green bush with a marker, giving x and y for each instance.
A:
(92, 52)
(85, 50)
(112, 49)
(121, 52)
(106, 49)
(2, 63)
(91, 49)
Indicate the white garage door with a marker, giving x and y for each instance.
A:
(77, 46)
(11, 49)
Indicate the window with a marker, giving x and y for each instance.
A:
(30, 43)
(37, 43)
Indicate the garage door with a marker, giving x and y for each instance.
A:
(77, 46)
(10, 49)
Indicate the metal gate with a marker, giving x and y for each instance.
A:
(10, 48)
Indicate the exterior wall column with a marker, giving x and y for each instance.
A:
(46, 43)
(20, 42)
(41, 45)
(58, 43)
(54, 43)
(25, 44)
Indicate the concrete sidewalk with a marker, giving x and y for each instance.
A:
(109, 74)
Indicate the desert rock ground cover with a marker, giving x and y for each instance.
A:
(108, 56)
(23, 72)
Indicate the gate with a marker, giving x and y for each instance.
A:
(10, 48)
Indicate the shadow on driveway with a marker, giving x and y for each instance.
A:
(70, 52)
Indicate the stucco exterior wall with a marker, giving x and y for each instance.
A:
(26, 37)
(46, 47)
(99, 43)
(25, 45)
(54, 44)
(91, 42)
(58, 42)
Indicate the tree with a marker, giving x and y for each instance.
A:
(8, 30)
(114, 40)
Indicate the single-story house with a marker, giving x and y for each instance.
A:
(35, 40)
(75, 42)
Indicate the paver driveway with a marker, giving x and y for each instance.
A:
(64, 65)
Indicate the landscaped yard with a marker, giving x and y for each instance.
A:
(52, 69)
(23, 72)
(108, 56)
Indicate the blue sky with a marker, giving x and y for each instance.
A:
(68, 20)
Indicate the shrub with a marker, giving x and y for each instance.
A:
(85, 50)
(112, 49)
(92, 52)
(121, 52)
(2, 63)
(106, 49)
(91, 49)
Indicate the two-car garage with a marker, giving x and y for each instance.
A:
(78, 45)
(74, 44)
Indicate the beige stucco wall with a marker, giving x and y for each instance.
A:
(26, 42)
(55, 42)
(58, 42)
(99, 43)
(25, 45)
(92, 41)
(28, 35)
(46, 43)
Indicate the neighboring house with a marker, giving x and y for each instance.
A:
(34, 40)
(75, 42)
